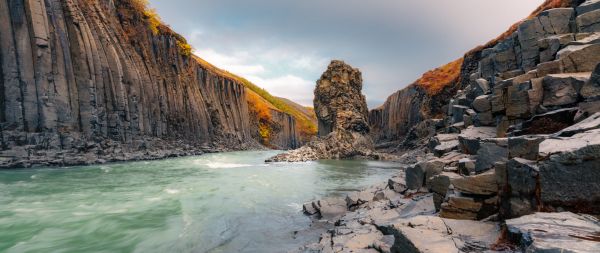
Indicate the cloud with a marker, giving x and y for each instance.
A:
(392, 41)
(291, 87)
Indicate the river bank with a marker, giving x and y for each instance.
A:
(109, 151)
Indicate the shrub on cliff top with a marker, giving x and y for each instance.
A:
(434, 81)
(157, 27)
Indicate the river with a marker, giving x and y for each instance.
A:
(224, 202)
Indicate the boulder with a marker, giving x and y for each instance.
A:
(398, 184)
(517, 105)
(439, 185)
(587, 109)
(418, 176)
(445, 147)
(535, 94)
(457, 113)
(481, 184)
(579, 58)
(550, 67)
(483, 85)
(557, 20)
(439, 138)
(483, 119)
(528, 35)
(482, 103)
(521, 179)
(591, 89)
(461, 208)
(563, 89)
(587, 6)
(470, 138)
(555, 232)
(526, 147)
(497, 103)
(589, 21)
(570, 174)
(491, 151)
(360, 197)
(331, 208)
(451, 158)
(550, 45)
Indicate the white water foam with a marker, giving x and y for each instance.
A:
(220, 165)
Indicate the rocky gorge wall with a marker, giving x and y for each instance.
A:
(93, 81)
(511, 165)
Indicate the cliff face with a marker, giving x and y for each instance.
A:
(286, 136)
(427, 97)
(394, 118)
(89, 75)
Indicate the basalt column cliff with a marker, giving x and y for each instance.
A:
(96, 81)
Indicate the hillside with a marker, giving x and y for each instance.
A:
(425, 97)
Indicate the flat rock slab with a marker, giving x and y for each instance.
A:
(570, 175)
(470, 138)
(490, 152)
(331, 208)
(482, 184)
(555, 232)
(429, 234)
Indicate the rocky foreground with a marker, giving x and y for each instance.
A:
(514, 165)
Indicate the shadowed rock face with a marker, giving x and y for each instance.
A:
(89, 81)
(342, 116)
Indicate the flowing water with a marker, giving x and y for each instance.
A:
(226, 202)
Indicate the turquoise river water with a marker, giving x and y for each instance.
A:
(225, 202)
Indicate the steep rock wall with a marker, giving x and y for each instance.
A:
(511, 54)
(284, 135)
(87, 75)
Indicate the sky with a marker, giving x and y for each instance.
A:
(285, 45)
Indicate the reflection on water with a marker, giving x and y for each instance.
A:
(227, 202)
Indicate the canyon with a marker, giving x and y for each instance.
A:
(87, 82)
(500, 149)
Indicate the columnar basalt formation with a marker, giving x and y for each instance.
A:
(342, 116)
(512, 165)
(95, 81)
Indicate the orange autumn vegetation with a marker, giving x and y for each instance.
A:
(306, 126)
(434, 81)
(261, 109)
(157, 27)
